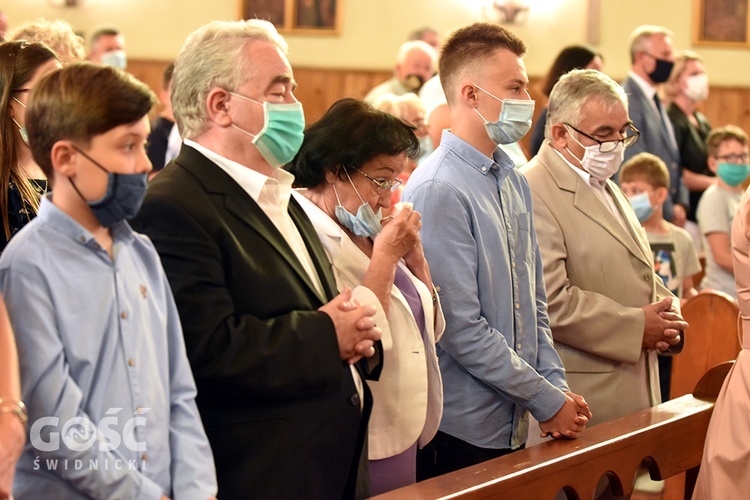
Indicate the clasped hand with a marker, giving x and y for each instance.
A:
(355, 328)
(570, 420)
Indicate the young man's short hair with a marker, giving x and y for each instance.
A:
(471, 46)
(647, 168)
(719, 135)
(79, 102)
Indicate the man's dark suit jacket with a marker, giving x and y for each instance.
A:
(279, 406)
(655, 140)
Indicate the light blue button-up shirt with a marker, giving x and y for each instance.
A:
(496, 355)
(104, 372)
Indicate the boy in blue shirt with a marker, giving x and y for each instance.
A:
(104, 373)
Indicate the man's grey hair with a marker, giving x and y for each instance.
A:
(641, 36)
(413, 45)
(212, 57)
(574, 89)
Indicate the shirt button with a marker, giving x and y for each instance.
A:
(518, 306)
(518, 346)
(354, 400)
(131, 362)
(484, 169)
(513, 264)
(437, 288)
(124, 315)
(82, 239)
(138, 409)
(144, 457)
(646, 277)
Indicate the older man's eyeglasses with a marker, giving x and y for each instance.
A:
(381, 185)
(632, 135)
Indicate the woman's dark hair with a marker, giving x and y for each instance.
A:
(19, 61)
(570, 58)
(350, 134)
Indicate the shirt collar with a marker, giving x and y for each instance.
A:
(475, 158)
(648, 89)
(63, 223)
(251, 181)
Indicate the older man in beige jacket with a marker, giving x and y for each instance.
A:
(609, 311)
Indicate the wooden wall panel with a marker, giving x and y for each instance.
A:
(319, 88)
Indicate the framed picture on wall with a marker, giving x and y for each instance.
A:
(721, 23)
(307, 17)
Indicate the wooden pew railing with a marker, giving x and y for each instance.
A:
(668, 437)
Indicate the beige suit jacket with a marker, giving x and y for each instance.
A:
(598, 274)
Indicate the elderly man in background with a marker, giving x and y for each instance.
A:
(609, 311)
(652, 58)
(274, 350)
(415, 64)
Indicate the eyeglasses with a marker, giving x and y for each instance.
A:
(381, 185)
(735, 158)
(19, 91)
(609, 146)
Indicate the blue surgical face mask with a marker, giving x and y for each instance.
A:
(282, 133)
(116, 59)
(642, 207)
(21, 130)
(125, 193)
(514, 121)
(366, 223)
(733, 174)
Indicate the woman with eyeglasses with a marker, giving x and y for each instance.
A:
(348, 165)
(22, 182)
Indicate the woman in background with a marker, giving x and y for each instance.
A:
(22, 182)
(686, 88)
(573, 57)
(349, 163)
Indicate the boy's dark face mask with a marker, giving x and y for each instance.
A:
(123, 198)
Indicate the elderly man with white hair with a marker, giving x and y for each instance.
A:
(608, 310)
(274, 349)
(415, 64)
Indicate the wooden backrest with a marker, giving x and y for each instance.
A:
(710, 340)
(669, 437)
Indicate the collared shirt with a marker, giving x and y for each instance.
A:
(496, 355)
(103, 364)
(272, 196)
(599, 188)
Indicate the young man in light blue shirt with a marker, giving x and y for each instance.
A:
(496, 355)
(104, 373)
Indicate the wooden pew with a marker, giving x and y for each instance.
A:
(710, 340)
(668, 437)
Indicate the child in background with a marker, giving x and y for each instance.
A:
(645, 180)
(727, 158)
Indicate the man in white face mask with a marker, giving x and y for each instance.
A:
(609, 311)
(496, 355)
(107, 47)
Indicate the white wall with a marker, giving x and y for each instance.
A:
(374, 29)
